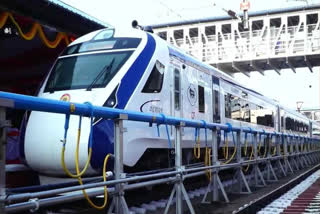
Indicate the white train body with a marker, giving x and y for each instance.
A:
(138, 71)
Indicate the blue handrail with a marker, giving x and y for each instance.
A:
(62, 107)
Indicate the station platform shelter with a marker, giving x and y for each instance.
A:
(32, 34)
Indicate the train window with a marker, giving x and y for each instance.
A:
(315, 129)
(85, 71)
(227, 105)
(155, 80)
(261, 116)
(296, 125)
(201, 99)
(245, 111)
(235, 107)
(163, 35)
(176, 89)
(105, 44)
(216, 108)
(240, 109)
(104, 34)
(290, 124)
(232, 107)
(215, 80)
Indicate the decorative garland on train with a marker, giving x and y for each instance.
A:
(36, 28)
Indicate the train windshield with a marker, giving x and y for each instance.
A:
(91, 64)
(85, 71)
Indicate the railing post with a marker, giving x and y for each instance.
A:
(270, 169)
(296, 144)
(280, 167)
(285, 152)
(255, 157)
(294, 156)
(241, 177)
(214, 149)
(215, 183)
(304, 151)
(291, 145)
(239, 159)
(300, 151)
(257, 173)
(288, 153)
(178, 188)
(3, 142)
(268, 147)
(178, 163)
(118, 201)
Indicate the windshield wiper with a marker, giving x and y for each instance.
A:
(105, 69)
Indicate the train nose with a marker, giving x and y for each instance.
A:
(43, 142)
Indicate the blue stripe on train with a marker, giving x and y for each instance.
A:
(103, 133)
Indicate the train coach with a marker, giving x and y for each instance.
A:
(137, 70)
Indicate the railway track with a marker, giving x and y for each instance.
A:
(153, 200)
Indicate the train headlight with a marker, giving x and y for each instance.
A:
(112, 100)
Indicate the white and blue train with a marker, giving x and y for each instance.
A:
(136, 70)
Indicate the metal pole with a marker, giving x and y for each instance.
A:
(178, 168)
(120, 204)
(255, 157)
(299, 150)
(291, 145)
(285, 153)
(268, 147)
(214, 149)
(239, 160)
(3, 142)
(279, 155)
(241, 177)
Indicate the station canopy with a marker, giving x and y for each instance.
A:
(32, 34)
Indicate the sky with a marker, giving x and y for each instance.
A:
(288, 88)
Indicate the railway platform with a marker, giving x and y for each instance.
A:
(302, 198)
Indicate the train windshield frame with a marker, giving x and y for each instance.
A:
(85, 71)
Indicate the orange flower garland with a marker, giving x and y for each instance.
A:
(36, 27)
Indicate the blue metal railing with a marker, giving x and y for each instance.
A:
(54, 106)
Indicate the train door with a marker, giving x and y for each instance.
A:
(216, 100)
